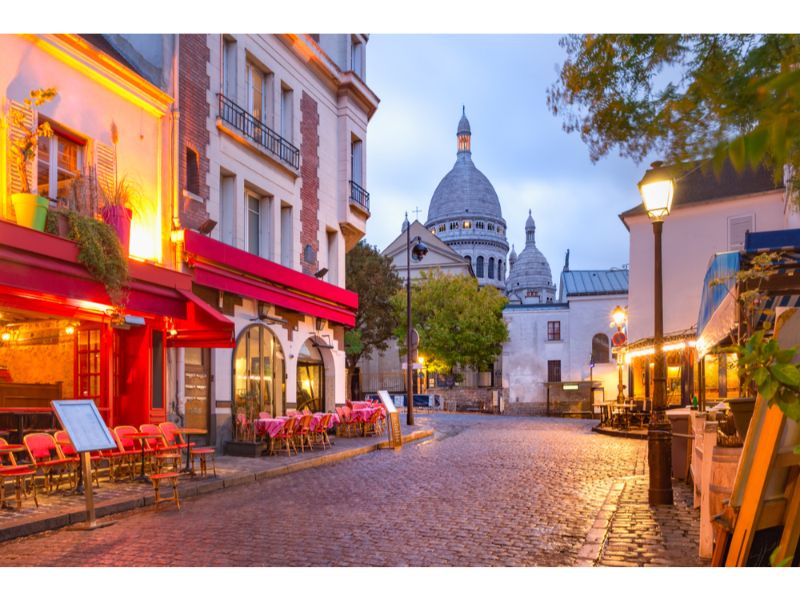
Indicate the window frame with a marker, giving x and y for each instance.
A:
(554, 331)
(554, 371)
(53, 168)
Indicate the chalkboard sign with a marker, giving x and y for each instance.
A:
(82, 421)
(387, 401)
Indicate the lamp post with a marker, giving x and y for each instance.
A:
(656, 191)
(619, 317)
(418, 253)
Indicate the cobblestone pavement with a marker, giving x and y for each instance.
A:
(486, 491)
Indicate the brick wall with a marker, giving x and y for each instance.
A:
(309, 171)
(194, 83)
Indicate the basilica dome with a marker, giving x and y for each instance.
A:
(464, 213)
(530, 280)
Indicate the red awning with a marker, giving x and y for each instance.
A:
(203, 327)
(224, 267)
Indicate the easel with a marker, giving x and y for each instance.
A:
(766, 492)
(393, 430)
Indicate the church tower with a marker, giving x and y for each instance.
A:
(530, 280)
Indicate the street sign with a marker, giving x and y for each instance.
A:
(618, 339)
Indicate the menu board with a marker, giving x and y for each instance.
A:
(387, 401)
(395, 435)
(82, 421)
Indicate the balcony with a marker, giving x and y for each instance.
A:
(359, 196)
(258, 133)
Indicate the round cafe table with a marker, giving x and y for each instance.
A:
(142, 437)
(189, 432)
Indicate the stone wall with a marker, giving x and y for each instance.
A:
(42, 353)
(468, 399)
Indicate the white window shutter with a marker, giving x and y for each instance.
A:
(737, 228)
(14, 134)
(105, 166)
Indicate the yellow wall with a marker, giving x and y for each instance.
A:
(42, 353)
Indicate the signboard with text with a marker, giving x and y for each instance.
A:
(395, 434)
(82, 421)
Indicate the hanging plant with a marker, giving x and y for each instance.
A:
(99, 250)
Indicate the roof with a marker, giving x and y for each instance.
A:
(594, 283)
(696, 184)
(434, 244)
(100, 42)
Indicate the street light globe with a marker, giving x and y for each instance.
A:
(657, 197)
(619, 316)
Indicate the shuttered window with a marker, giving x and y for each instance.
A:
(737, 228)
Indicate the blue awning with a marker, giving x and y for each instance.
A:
(719, 283)
(766, 241)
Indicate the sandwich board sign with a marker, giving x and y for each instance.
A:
(87, 432)
(395, 435)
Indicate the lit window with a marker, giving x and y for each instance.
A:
(467, 225)
(433, 230)
(59, 173)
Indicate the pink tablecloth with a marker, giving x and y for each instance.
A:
(273, 426)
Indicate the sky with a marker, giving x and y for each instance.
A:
(502, 80)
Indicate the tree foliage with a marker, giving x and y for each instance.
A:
(458, 323)
(685, 97)
(373, 278)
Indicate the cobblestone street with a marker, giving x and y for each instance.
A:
(485, 491)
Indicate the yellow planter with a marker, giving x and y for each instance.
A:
(31, 210)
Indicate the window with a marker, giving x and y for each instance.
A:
(500, 272)
(490, 275)
(158, 369)
(258, 238)
(480, 225)
(257, 92)
(60, 157)
(229, 67)
(442, 227)
(258, 375)
(453, 224)
(227, 209)
(433, 230)
(356, 161)
(737, 228)
(479, 269)
(357, 57)
(287, 113)
(490, 227)
(553, 331)
(467, 225)
(333, 258)
(600, 348)
(192, 172)
(286, 236)
(554, 370)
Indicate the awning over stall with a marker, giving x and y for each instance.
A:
(218, 265)
(718, 303)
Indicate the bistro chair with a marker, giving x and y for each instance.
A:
(45, 457)
(172, 438)
(320, 432)
(303, 432)
(67, 450)
(372, 425)
(163, 453)
(286, 434)
(9, 469)
(172, 479)
(125, 456)
(202, 453)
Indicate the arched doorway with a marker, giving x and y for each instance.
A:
(310, 378)
(258, 375)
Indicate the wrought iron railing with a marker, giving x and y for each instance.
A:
(359, 195)
(256, 131)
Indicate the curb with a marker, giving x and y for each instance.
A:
(620, 433)
(38, 524)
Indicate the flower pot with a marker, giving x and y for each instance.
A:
(31, 210)
(742, 409)
(119, 219)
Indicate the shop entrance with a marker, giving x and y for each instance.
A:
(310, 378)
(196, 382)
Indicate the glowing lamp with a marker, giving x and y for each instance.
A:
(5, 336)
(619, 316)
(69, 330)
(656, 191)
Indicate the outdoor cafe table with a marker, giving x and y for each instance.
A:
(271, 427)
(24, 411)
(142, 437)
(189, 432)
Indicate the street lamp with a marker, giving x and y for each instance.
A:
(619, 316)
(656, 190)
(417, 253)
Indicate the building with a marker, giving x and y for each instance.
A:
(563, 341)
(273, 194)
(465, 213)
(64, 333)
(710, 214)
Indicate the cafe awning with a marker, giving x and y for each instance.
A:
(717, 316)
(223, 267)
(203, 327)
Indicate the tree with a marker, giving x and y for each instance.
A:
(458, 323)
(686, 97)
(373, 278)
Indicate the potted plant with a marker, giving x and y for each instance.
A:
(30, 209)
(116, 211)
(763, 366)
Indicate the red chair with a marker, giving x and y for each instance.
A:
(9, 469)
(321, 430)
(303, 432)
(67, 450)
(163, 453)
(44, 455)
(373, 424)
(172, 438)
(287, 435)
(125, 456)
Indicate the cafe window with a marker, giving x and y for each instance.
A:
(258, 377)
(60, 157)
(553, 331)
